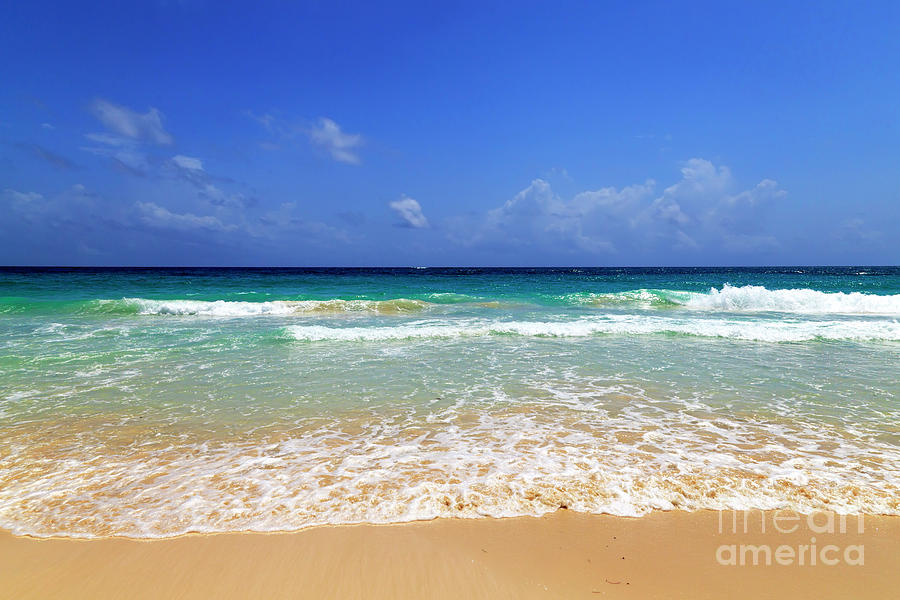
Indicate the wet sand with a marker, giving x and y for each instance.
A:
(563, 555)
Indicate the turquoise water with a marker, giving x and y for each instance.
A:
(151, 403)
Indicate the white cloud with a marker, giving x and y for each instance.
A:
(188, 162)
(537, 199)
(131, 124)
(21, 198)
(741, 216)
(214, 194)
(700, 210)
(610, 199)
(764, 190)
(410, 212)
(323, 133)
(47, 126)
(158, 216)
(538, 216)
(701, 183)
(342, 147)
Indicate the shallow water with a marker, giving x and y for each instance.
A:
(151, 403)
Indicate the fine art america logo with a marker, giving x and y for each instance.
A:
(818, 538)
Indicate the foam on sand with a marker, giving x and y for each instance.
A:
(458, 462)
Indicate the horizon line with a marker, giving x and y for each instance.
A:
(761, 266)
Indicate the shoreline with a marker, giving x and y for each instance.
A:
(560, 555)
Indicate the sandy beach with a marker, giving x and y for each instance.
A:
(563, 555)
(449, 300)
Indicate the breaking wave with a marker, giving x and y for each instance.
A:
(750, 298)
(763, 331)
(728, 298)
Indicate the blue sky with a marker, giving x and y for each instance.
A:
(275, 133)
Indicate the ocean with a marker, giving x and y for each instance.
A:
(156, 402)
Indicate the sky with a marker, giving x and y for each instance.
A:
(459, 133)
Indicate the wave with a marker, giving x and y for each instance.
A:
(642, 298)
(763, 331)
(758, 298)
(223, 308)
(750, 298)
(728, 298)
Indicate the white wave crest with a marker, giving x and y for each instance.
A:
(764, 331)
(218, 308)
(758, 298)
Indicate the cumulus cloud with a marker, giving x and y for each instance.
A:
(701, 183)
(703, 208)
(158, 216)
(410, 212)
(538, 216)
(343, 147)
(741, 218)
(131, 124)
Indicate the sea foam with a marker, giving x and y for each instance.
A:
(758, 298)
(461, 463)
(747, 298)
(756, 330)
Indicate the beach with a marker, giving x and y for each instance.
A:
(446, 432)
(563, 555)
(459, 300)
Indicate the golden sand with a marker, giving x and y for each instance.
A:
(563, 555)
